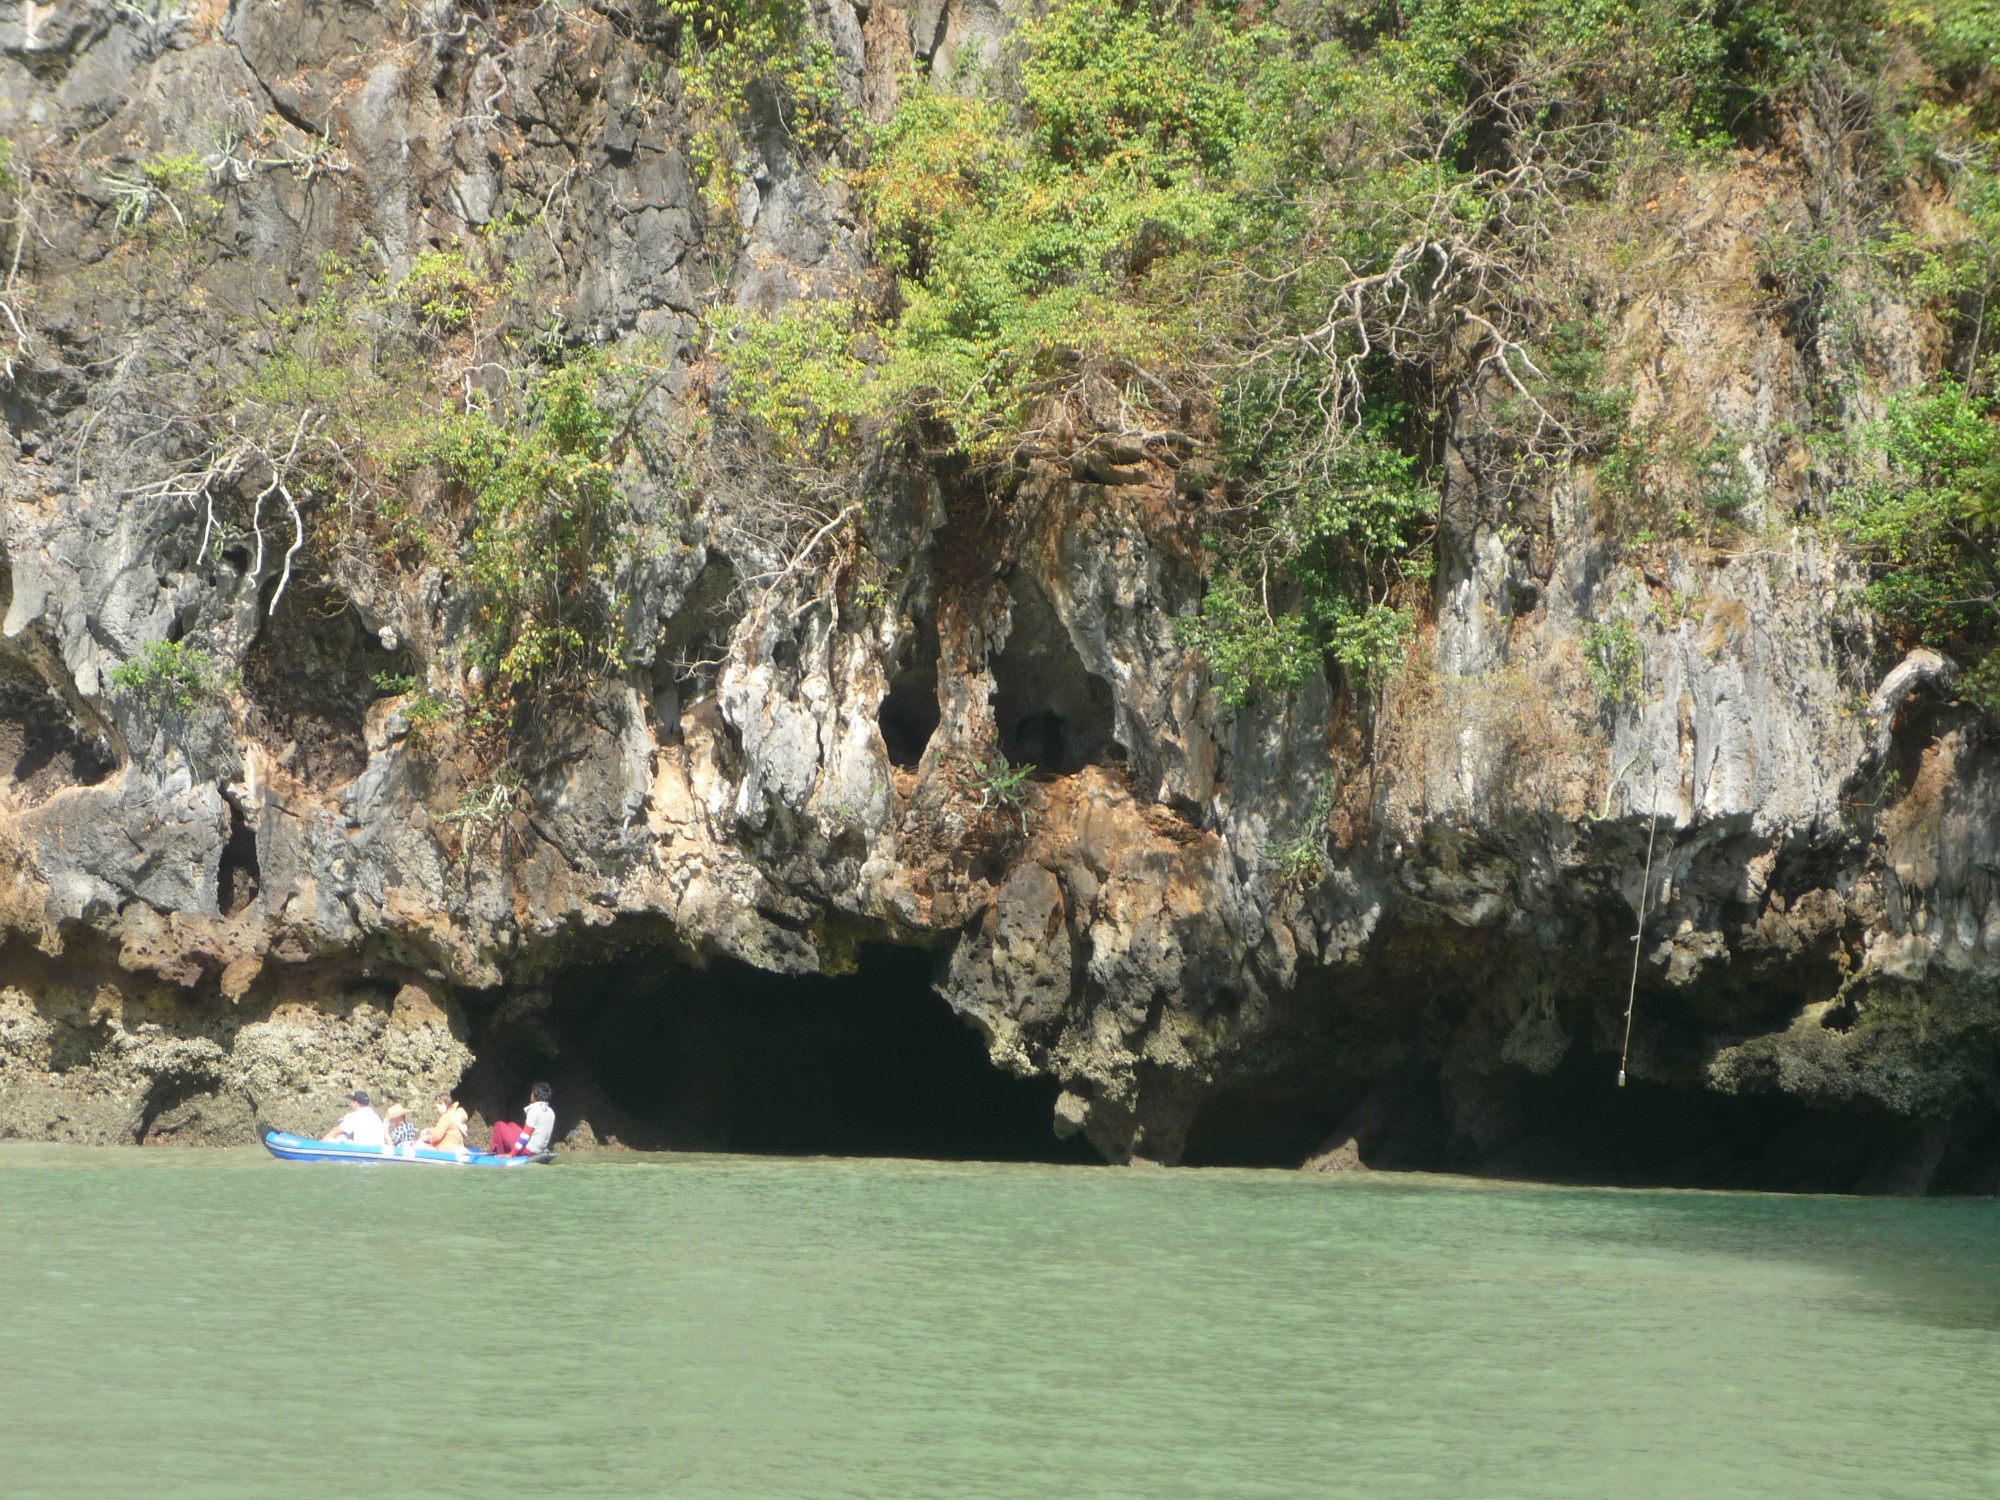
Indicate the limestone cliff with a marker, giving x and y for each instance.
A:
(234, 903)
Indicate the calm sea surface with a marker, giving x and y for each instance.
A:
(177, 1323)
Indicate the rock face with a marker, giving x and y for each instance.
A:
(239, 906)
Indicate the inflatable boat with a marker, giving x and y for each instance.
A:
(302, 1148)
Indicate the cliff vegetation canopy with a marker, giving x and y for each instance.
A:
(1278, 245)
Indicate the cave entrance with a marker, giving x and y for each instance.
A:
(732, 1058)
(1576, 1125)
(1051, 711)
(910, 713)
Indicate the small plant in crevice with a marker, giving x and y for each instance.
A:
(171, 677)
(1299, 861)
(442, 289)
(421, 709)
(1613, 660)
(1723, 491)
(425, 710)
(480, 811)
(996, 784)
(178, 184)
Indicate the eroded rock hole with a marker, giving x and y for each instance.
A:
(186, 1107)
(236, 874)
(43, 746)
(909, 714)
(1052, 712)
(690, 647)
(310, 677)
(731, 1058)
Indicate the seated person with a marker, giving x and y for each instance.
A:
(360, 1126)
(510, 1139)
(401, 1131)
(541, 1118)
(447, 1132)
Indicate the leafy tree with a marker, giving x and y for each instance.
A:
(548, 535)
(1928, 520)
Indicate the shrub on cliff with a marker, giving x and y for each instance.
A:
(1929, 521)
(549, 531)
(170, 677)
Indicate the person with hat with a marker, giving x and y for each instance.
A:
(360, 1126)
(401, 1131)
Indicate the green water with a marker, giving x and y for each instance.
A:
(221, 1325)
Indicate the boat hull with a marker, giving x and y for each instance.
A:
(287, 1147)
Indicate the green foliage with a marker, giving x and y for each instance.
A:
(550, 529)
(1250, 647)
(1108, 82)
(170, 677)
(1248, 208)
(1981, 686)
(1723, 489)
(740, 58)
(1613, 660)
(359, 360)
(1928, 521)
(797, 375)
(1299, 861)
(995, 782)
(1292, 236)
(1342, 526)
(442, 288)
(178, 184)
(1028, 240)
(1572, 354)
(1960, 37)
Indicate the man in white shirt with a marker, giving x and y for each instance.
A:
(529, 1139)
(540, 1118)
(360, 1126)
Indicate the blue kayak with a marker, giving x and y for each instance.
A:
(303, 1148)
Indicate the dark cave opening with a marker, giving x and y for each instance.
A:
(310, 675)
(689, 647)
(733, 1058)
(1051, 711)
(236, 873)
(910, 714)
(1577, 1125)
(43, 747)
